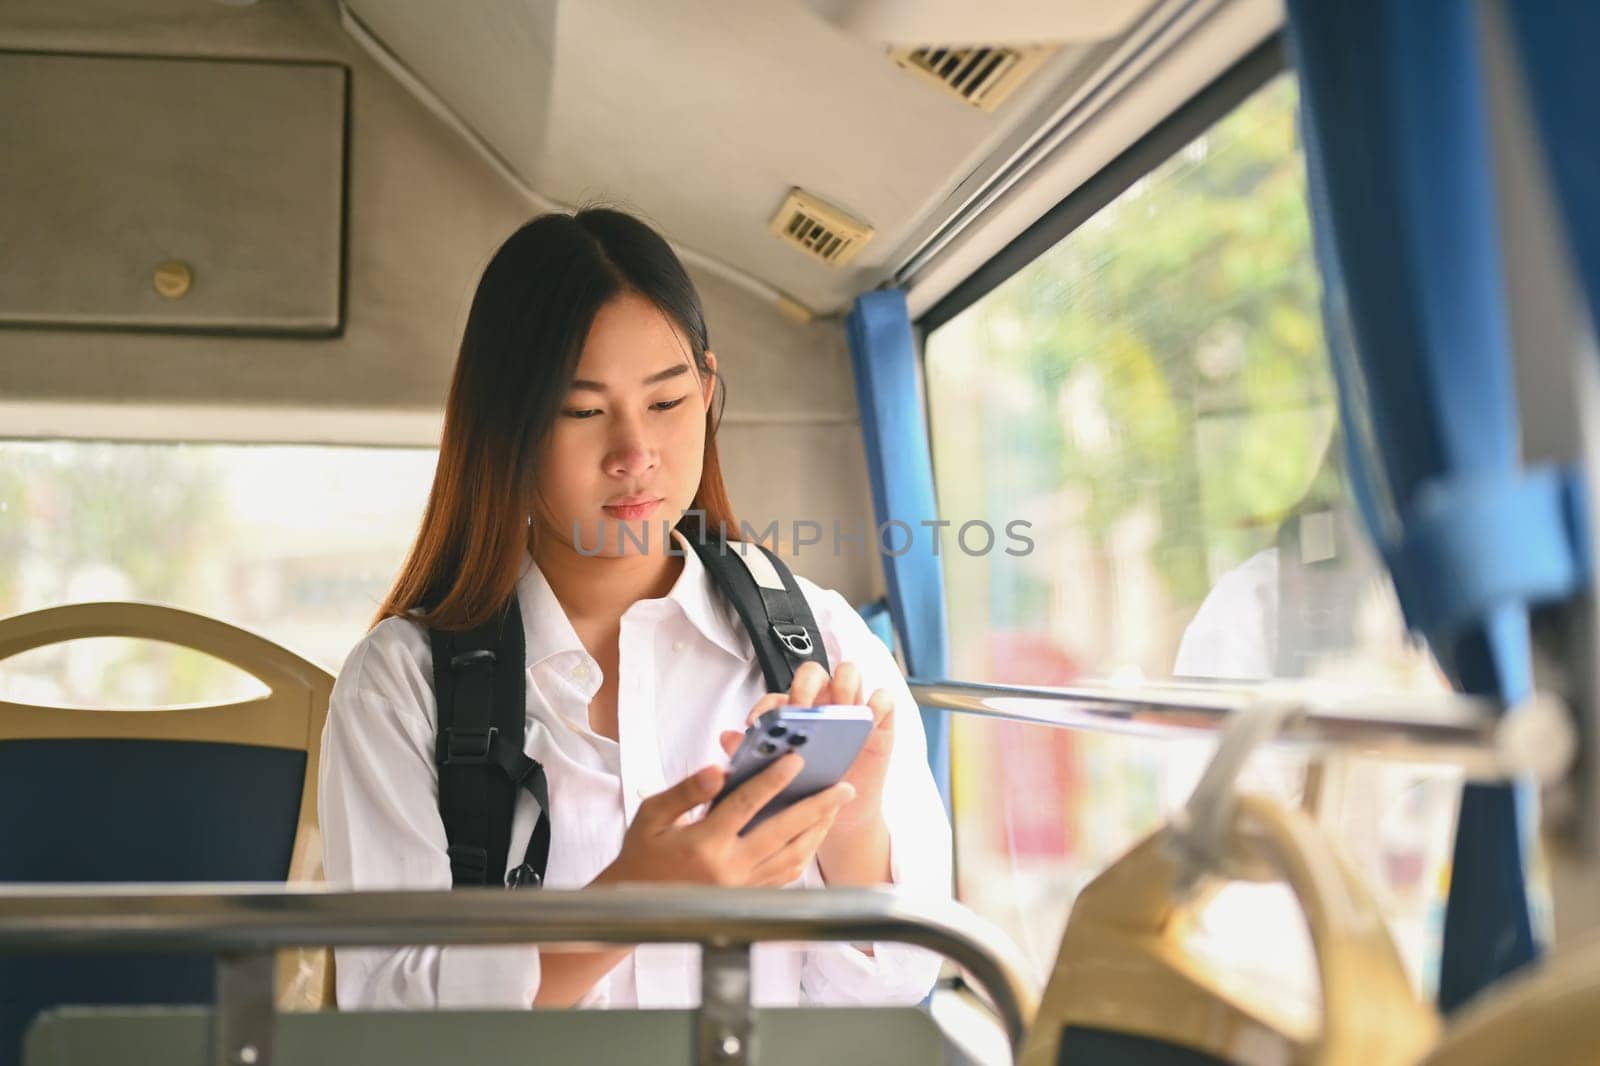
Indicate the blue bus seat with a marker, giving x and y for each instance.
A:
(192, 794)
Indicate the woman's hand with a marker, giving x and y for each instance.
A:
(662, 845)
(813, 687)
(856, 850)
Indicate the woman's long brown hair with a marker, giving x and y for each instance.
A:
(519, 353)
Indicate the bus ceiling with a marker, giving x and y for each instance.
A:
(923, 137)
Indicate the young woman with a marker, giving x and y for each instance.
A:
(581, 423)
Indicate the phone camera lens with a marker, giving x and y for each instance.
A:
(777, 731)
(797, 739)
(766, 747)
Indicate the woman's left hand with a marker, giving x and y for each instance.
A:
(858, 832)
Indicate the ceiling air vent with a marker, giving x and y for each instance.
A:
(819, 229)
(981, 76)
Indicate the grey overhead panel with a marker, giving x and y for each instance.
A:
(192, 195)
(703, 114)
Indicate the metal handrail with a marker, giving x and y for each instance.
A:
(238, 919)
(1465, 731)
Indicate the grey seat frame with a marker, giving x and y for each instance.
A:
(244, 925)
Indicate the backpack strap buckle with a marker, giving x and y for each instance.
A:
(794, 637)
(469, 746)
(465, 748)
(468, 864)
(524, 876)
(473, 659)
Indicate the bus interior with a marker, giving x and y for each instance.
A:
(1198, 397)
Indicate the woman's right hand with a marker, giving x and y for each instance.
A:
(661, 845)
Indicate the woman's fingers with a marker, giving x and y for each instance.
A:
(812, 686)
(845, 686)
(662, 809)
(733, 813)
(808, 683)
(882, 704)
(790, 861)
(796, 819)
(730, 740)
(765, 704)
(871, 764)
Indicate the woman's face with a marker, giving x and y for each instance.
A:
(623, 460)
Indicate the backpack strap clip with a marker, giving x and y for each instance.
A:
(469, 865)
(768, 600)
(794, 637)
(524, 876)
(477, 657)
(459, 747)
(473, 674)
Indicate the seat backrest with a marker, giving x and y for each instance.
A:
(1549, 1014)
(1126, 988)
(216, 794)
(898, 1036)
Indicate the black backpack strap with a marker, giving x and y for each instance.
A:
(769, 603)
(478, 684)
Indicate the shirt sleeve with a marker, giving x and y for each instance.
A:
(1234, 634)
(378, 804)
(919, 832)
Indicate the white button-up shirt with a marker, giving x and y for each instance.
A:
(687, 671)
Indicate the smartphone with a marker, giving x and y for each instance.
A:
(828, 737)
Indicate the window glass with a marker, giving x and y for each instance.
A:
(296, 543)
(1153, 397)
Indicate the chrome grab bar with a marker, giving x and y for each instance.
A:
(1466, 731)
(245, 923)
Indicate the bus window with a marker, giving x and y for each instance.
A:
(1153, 396)
(298, 543)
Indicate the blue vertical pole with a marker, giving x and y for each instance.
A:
(894, 427)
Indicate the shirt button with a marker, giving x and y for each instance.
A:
(679, 645)
(642, 793)
(581, 673)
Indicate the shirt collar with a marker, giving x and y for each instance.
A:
(548, 632)
(546, 629)
(706, 608)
